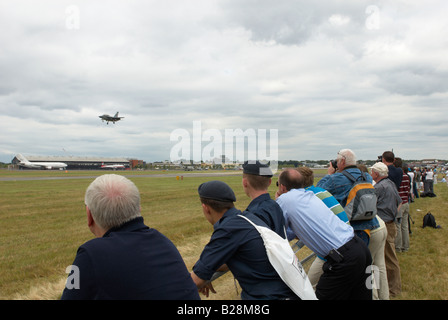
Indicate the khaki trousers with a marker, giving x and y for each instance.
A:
(377, 243)
(402, 239)
(392, 265)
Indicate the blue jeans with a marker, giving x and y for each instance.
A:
(363, 236)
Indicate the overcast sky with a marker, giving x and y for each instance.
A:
(326, 75)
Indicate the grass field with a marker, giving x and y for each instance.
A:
(43, 222)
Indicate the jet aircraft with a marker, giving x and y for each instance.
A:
(112, 166)
(109, 118)
(38, 165)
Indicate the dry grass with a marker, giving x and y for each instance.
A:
(423, 267)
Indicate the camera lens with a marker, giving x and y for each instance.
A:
(334, 163)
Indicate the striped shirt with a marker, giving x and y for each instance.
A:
(330, 202)
(405, 188)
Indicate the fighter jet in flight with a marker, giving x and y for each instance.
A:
(109, 118)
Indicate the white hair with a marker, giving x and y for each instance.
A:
(381, 173)
(381, 169)
(113, 200)
(348, 155)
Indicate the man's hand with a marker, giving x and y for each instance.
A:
(203, 286)
(205, 290)
(331, 169)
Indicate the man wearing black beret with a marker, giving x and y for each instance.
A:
(256, 181)
(237, 246)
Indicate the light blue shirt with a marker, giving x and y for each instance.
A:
(308, 218)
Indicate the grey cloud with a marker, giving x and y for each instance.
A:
(413, 80)
(292, 22)
(6, 90)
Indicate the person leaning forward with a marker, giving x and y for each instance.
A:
(237, 246)
(307, 178)
(309, 219)
(257, 178)
(127, 260)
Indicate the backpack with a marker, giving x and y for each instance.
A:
(361, 200)
(429, 221)
(285, 262)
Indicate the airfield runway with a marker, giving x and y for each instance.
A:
(156, 175)
(153, 175)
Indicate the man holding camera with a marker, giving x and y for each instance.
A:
(339, 186)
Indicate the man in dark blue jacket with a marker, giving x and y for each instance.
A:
(256, 181)
(395, 173)
(237, 246)
(127, 260)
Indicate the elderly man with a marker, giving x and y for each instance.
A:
(388, 205)
(339, 185)
(127, 260)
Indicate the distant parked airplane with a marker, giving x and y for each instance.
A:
(47, 165)
(112, 166)
(109, 118)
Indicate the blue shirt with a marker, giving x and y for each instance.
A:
(133, 262)
(238, 244)
(339, 186)
(308, 218)
(269, 212)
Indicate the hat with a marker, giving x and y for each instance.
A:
(216, 190)
(381, 168)
(257, 168)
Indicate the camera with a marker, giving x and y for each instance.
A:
(334, 164)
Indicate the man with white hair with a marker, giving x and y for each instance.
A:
(388, 206)
(127, 259)
(339, 185)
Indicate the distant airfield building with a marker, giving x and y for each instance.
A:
(83, 163)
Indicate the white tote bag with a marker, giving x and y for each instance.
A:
(285, 262)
